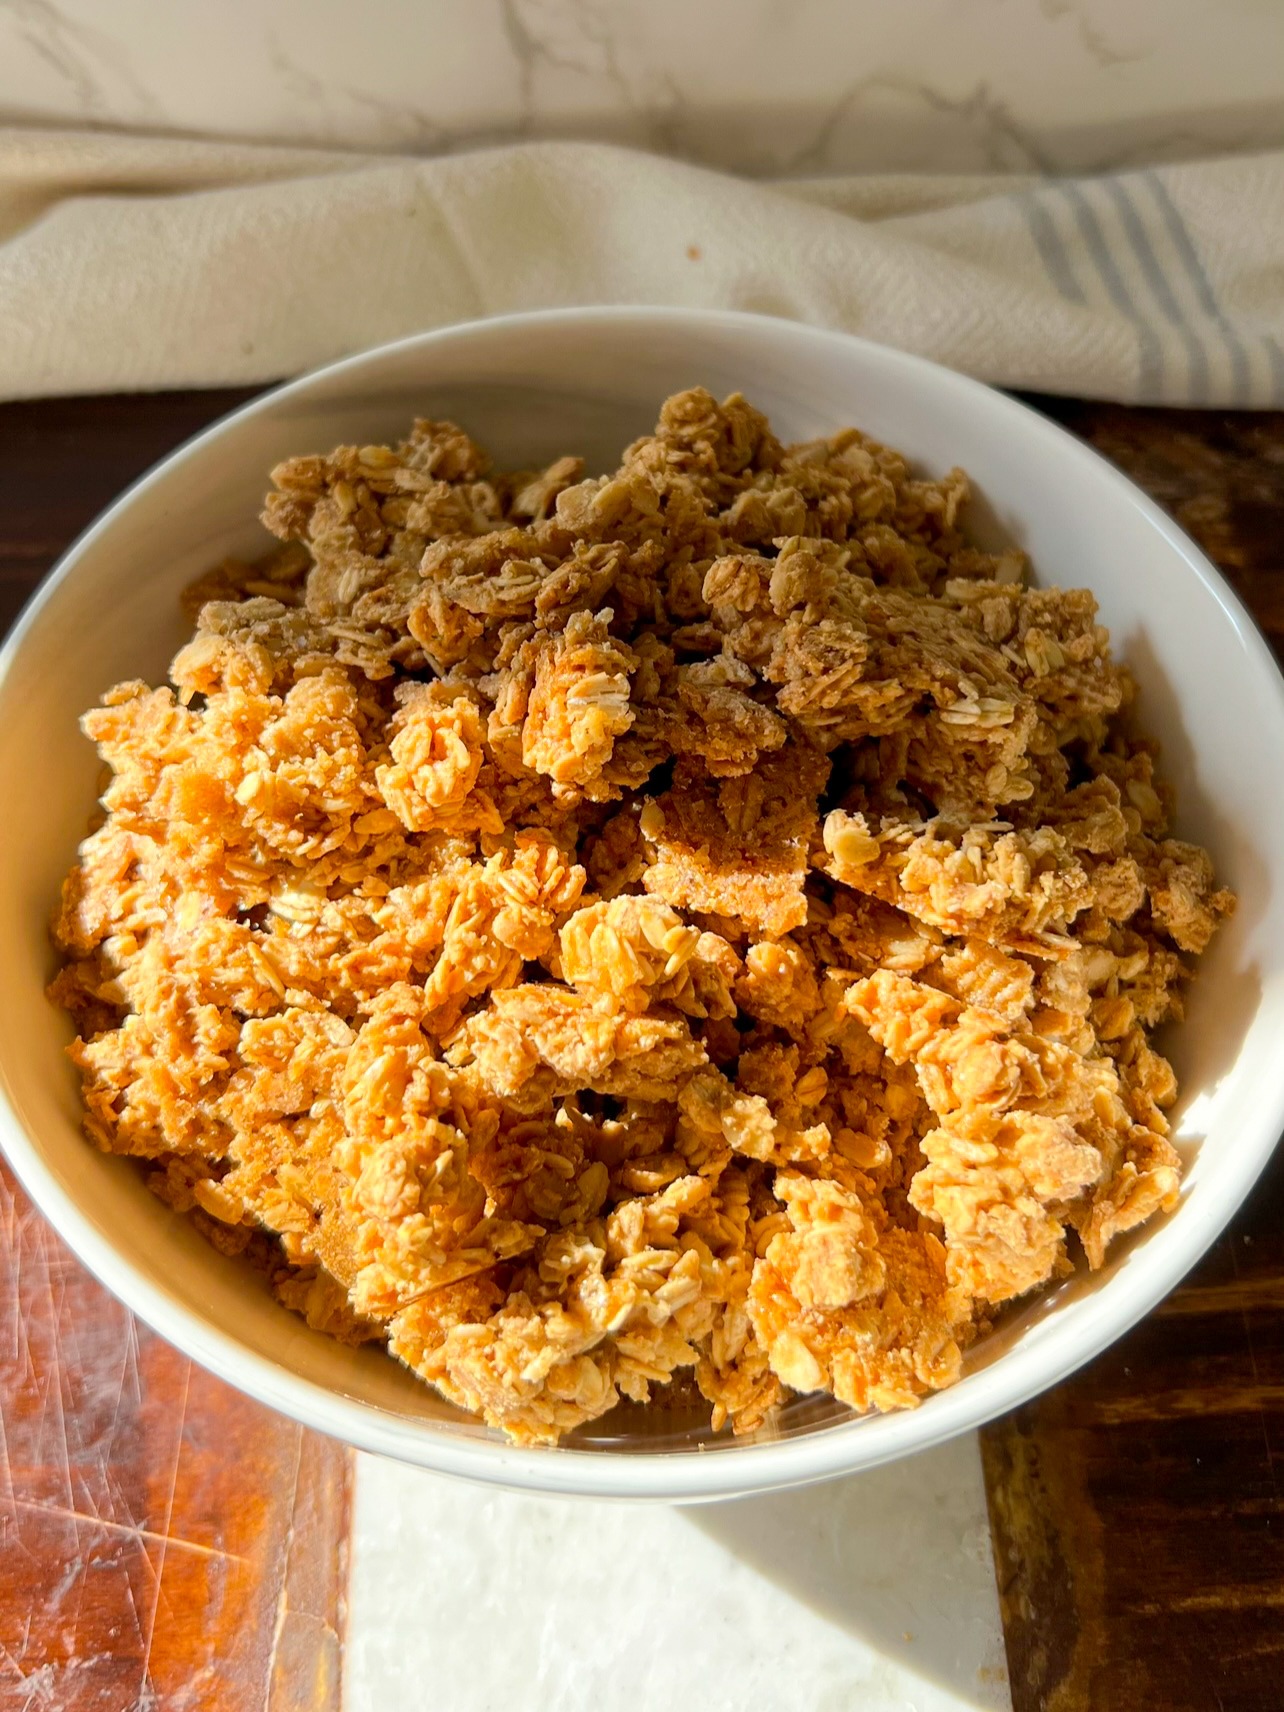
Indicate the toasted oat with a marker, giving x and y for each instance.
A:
(706, 920)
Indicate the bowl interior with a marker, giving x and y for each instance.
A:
(530, 389)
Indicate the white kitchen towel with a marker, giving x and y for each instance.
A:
(143, 262)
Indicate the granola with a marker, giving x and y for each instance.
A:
(702, 922)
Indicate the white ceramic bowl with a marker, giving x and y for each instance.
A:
(530, 387)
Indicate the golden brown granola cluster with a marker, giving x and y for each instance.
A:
(705, 918)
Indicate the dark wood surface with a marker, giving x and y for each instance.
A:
(165, 1543)
(1137, 1511)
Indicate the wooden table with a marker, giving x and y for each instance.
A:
(166, 1543)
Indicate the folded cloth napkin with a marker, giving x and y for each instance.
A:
(141, 262)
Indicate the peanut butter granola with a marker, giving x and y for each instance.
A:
(702, 922)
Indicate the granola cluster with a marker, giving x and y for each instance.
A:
(702, 922)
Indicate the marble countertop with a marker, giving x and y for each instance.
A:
(875, 1592)
(757, 86)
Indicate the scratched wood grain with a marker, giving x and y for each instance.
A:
(1137, 1510)
(166, 1545)
(163, 1539)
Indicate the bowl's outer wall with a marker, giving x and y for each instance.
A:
(531, 388)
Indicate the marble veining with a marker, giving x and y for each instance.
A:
(767, 87)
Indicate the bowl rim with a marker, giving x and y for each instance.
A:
(715, 1471)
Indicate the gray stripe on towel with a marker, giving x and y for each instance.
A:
(1158, 283)
(1149, 350)
(1184, 245)
(1047, 240)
